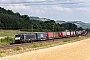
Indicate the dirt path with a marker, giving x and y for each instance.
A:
(72, 51)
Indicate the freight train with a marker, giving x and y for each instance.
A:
(28, 37)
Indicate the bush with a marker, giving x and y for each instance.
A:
(7, 41)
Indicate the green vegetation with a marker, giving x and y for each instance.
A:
(2, 51)
(14, 21)
(65, 40)
(4, 34)
(17, 49)
(37, 45)
(6, 41)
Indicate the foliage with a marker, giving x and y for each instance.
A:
(69, 26)
(80, 28)
(15, 21)
(6, 41)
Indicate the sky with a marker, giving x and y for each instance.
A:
(67, 10)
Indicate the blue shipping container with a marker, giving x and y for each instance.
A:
(41, 36)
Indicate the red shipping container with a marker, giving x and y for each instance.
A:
(64, 34)
(59, 34)
(50, 35)
(71, 33)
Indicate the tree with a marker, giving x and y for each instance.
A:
(80, 28)
(69, 26)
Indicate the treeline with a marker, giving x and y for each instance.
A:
(52, 26)
(11, 20)
(15, 21)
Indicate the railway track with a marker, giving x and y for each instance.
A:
(31, 44)
(23, 44)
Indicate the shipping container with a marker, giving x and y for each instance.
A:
(25, 37)
(74, 33)
(84, 32)
(60, 34)
(41, 35)
(71, 33)
(64, 34)
(68, 34)
(50, 35)
(79, 32)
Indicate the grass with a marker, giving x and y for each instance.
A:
(2, 51)
(10, 33)
(37, 45)
(65, 40)
(6, 41)
(1, 55)
(5, 34)
(33, 46)
(17, 48)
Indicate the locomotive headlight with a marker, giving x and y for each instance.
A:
(17, 38)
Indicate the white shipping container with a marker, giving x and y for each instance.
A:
(74, 32)
(68, 33)
(79, 32)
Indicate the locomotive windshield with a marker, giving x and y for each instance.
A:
(17, 35)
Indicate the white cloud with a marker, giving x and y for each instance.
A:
(38, 11)
(4, 1)
(18, 7)
(57, 7)
(83, 9)
(36, 0)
